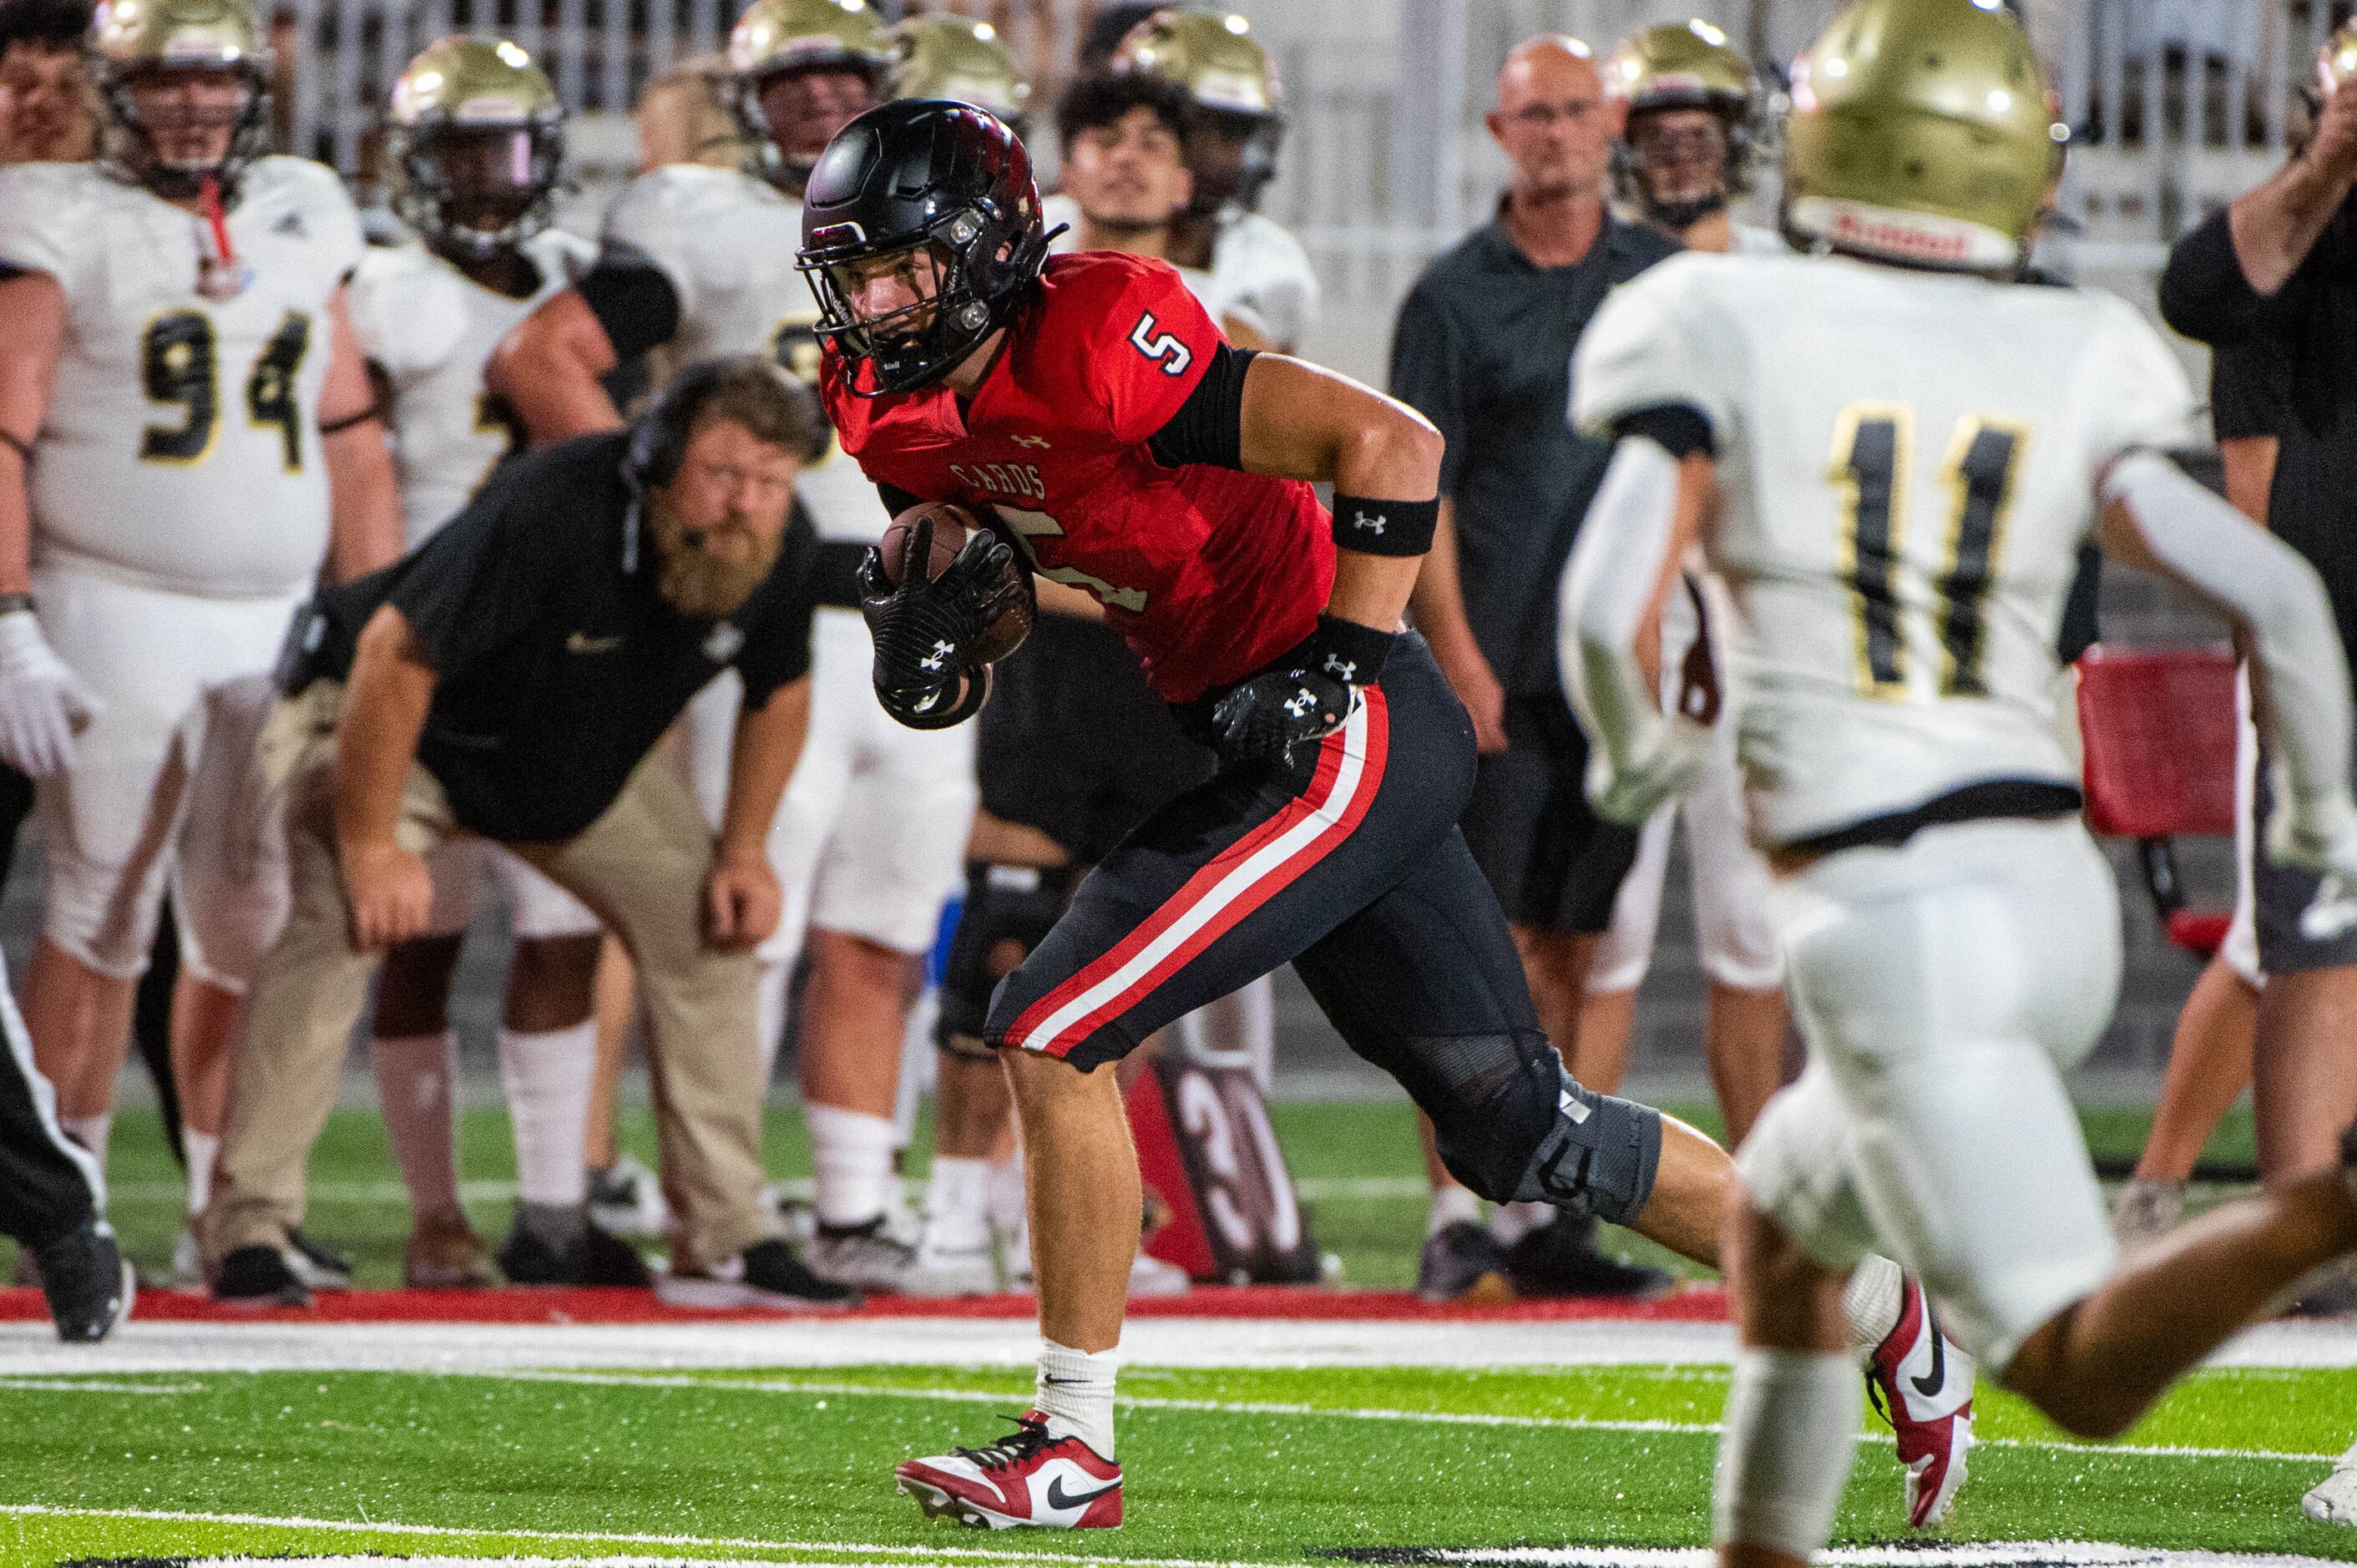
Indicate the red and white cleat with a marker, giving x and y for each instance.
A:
(1922, 1384)
(1029, 1477)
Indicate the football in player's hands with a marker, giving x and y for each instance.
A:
(943, 544)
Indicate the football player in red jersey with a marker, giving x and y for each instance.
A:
(1087, 409)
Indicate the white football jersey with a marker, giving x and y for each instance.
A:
(1907, 464)
(431, 329)
(1263, 273)
(1061, 208)
(726, 241)
(181, 446)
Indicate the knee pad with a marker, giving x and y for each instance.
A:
(1515, 1127)
(1003, 904)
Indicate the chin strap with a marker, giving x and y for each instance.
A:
(209, 194)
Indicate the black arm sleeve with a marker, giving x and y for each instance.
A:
(634, 302)
(2204, 293)
(1681, 428)
(2250, 389)
(896, 500)
(1209, 425)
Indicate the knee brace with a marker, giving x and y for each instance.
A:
(1003, 904)
(1512, 1124)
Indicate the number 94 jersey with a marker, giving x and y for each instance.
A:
(181, 448)
(1907, 464)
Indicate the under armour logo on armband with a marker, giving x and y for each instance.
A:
(1301, 701)
(1341, 668)
(934, 662)
(1371, 524)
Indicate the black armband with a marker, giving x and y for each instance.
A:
(1208, 427)
(896, 500)
(633, 301)
(375, 410)
(1678, 429)
(1384, 527)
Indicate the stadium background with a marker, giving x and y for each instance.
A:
(2177, 105)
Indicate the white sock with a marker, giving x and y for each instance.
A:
(90, 1132)
(769, 1014)
(413, 1088)
(1010, 1205)
(1452, 1205)
(200, 1148)
(547, 1078)
(1515, 1220)
(1791, 1431)
(1076, 1393)
(851, 1155)
(957, 1205)
(1871, 1301)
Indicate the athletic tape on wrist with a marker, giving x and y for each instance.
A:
(1384, 527)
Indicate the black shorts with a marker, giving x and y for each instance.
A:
(2279, 896)
(1556, 865)
(1345, 860)
(1076, 744)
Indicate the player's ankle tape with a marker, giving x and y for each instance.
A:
(1350, 652)
(1385, 527)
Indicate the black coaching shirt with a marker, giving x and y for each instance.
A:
(2289, 369)
(559, 664)
(1482, 348)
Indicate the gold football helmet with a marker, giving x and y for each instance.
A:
(476, 139)
(945, 56)
(1681, 65)
(1239, 102)
(1920, 132)
(774, 38)
(136, 40)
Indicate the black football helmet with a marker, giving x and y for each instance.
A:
(944, 187)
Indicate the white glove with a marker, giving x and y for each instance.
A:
(42, 702)
(1666, 760)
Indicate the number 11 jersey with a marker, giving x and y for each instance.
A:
(1907, 464)
(1209, 572)
(181, 446)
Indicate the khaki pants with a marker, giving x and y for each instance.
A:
(641, 867)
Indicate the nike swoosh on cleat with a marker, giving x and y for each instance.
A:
(1932, 1385)
(1058, 1498)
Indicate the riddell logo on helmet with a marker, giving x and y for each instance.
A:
(1901, 239)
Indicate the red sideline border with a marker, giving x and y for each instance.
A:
(1693, 1304)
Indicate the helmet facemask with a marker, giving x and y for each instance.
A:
(947, 314)
(1680, 164)
(177, 129)
(477, 191)
(789, 166)
(1233, 156)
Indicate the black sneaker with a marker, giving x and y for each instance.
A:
(1560, 1259)
(317, 1264)
(599, 1257)
(767, 1275)
(89, 1285)
(1462, 1261)
(259, 1276)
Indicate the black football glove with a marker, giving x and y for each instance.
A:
(924, 677)
(1304, 697)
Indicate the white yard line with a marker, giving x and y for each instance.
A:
(589, 1537)
(1343, 1412)
(1910, 1554)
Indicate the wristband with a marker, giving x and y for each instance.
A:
(1349, 650)
(1384, 527)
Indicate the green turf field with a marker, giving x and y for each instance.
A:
(1357, 1165)
(1258, 1466)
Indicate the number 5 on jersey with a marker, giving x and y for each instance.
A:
(1872, 454)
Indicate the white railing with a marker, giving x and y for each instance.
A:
(2179, 104)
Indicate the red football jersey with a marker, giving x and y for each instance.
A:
(1209, 573)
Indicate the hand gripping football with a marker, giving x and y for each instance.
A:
(941, 545)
